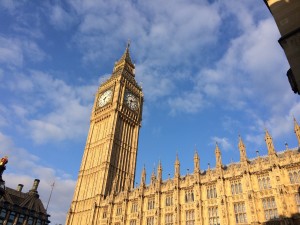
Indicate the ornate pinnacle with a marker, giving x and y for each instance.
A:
(218, 156)
(177, 166)
(297, 130)
(125, 57)
(242, 148)
(269, 142)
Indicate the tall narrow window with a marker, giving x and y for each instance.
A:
(189, 196)
(240, 212)
(264, 182)
(151, 203)
(213, 216)
(20, 219)
(236, 187)
(150, 220)
(30, 220)
(169, 219)
(11, 218)
(211, 191)
(294, 177)
(119, 210)
(190, 217)
(134, 207)
(2, 215)
(169, 200)
(132, 222)
(270, 208)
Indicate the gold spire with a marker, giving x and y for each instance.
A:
(269, 142)
(218, 156)
(153, 178)
(177, 166)
(242, 148)
(196, 153)
(196, 162)
(125, 58)
(159, 171)
(297, 130)
(143, 177)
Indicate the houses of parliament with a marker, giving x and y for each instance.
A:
(263, 190)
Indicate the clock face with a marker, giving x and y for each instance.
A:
(131, 101)
(105, 98)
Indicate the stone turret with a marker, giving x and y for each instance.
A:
(242, 148)
(269, 143)
(177, 167)
(159, 172)
(153, 177)
(218, 157)
(196, 162)
(297, 130)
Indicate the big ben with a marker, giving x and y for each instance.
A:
(109, 159)
(255, 191)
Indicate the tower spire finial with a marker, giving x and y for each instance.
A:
(125, 61)
(128, 44)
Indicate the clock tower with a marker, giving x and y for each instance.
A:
(109, 159)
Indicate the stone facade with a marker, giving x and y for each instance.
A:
(252, 191)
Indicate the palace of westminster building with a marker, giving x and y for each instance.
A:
(263, 190)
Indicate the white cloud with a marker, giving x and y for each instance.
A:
(154, 85)
(159, 34)
(10, 5)
(279, 125)
(188, 102)
(3, 115)
(14, 51)
(60, 18)
(49, 109)
(231, 124)
(10, 52)
(283, 124)
(222, 142)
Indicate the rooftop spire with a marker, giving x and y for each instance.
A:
(125, 58)
(269, 142)
(297, 130)
(153, 178)
(177, 166)
(242, 148)
(218, 156)
(196, 162)
(159, 171)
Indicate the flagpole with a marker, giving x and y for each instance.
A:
(52, 187)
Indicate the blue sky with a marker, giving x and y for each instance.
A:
(210, 70)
